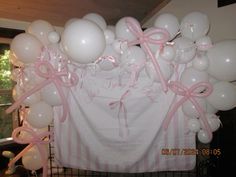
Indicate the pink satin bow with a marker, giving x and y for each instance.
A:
(189, 94)
(123, 109)
(38, 140)
(145, 38)
(58, 78)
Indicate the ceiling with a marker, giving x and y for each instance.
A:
(58, 12)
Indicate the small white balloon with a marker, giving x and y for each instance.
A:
(203, 137)
(210, 109)
(112, 28)
(204, 43)
(214, 123)
(120, 46)
(168, 53)
(194, 125)
(200, 63)
(190, 110)
(96, 18)
(109, 36)
(50, 95)
(169, 22)
(53, 37)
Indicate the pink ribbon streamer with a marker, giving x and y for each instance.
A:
(45, 69)
(145, 38)
(123, 109)
(38, 140)
(189, 94)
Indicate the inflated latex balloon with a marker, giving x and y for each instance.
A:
(26, 48)
(223, 96)
(210, 109)
(166, 68)
(122, 30)
(214, 122)
(168, 53)
(31, 160)
(53, 37)
(41, 29)
(204, 43)
(200, 63)
(185, 50)
(133, 58)
(83, 41)
(109, 59)
(191, 76)
(194, 125)
(169, 22)
(40, 115)
(109, 36)
(190, 110)
(222, 60)
(96, 18)
(120, 46)
(203, 136)
(112, 28)
(50, 95)
(68, 22)
(194, 25)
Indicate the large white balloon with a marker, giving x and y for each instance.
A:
(122, 30)
(41, 29)
(223, 96)
(169, 22)
(40, 115)
(26, 48)
(83, 41)
(50, 95)
(185, 50)
(194, 25)
(222, 60)
(96, 18)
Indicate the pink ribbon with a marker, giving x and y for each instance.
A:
(109, 58)
(38, 140)
(58, 78)
(145, 38)
(123, 109)
(189, 94)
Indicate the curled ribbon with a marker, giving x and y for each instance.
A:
(58, 78)
(189, 94)
(145, 38)
(123, 109)
(38, 140)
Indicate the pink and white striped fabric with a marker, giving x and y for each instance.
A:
(115, 128)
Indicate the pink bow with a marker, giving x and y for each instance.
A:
(58, 78)
(123, 109)
(145, 38)
(38, 140)
(189, 94)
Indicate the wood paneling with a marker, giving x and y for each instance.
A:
(58, 12)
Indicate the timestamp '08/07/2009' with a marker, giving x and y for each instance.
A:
(191, 151)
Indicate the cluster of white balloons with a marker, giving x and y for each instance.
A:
(89, 40)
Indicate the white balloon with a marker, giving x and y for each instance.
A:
(185, 50)
(26, 48)
(40, 29)
(53, 37)
(96, 18)
(222, 60)
(168, 53)
(190, 110)
(203, 136)
(166, 68)
(223, 96)
(133, 58)
(200, 63)
(214, 123)
(50, 95)
(120, 46)
(112, 28)
(194, 25)
(106, 64)
(191, 76)
(68, 22)
(169, 22)
(83, 41)
(210, 109)
(40, 115)
(122, 30)
(194, 125)
(109, 36)
(204, 43)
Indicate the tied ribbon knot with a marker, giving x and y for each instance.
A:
(59, 78)
(189, 94)
(123, 131)
(145, 38)
(38, 140)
